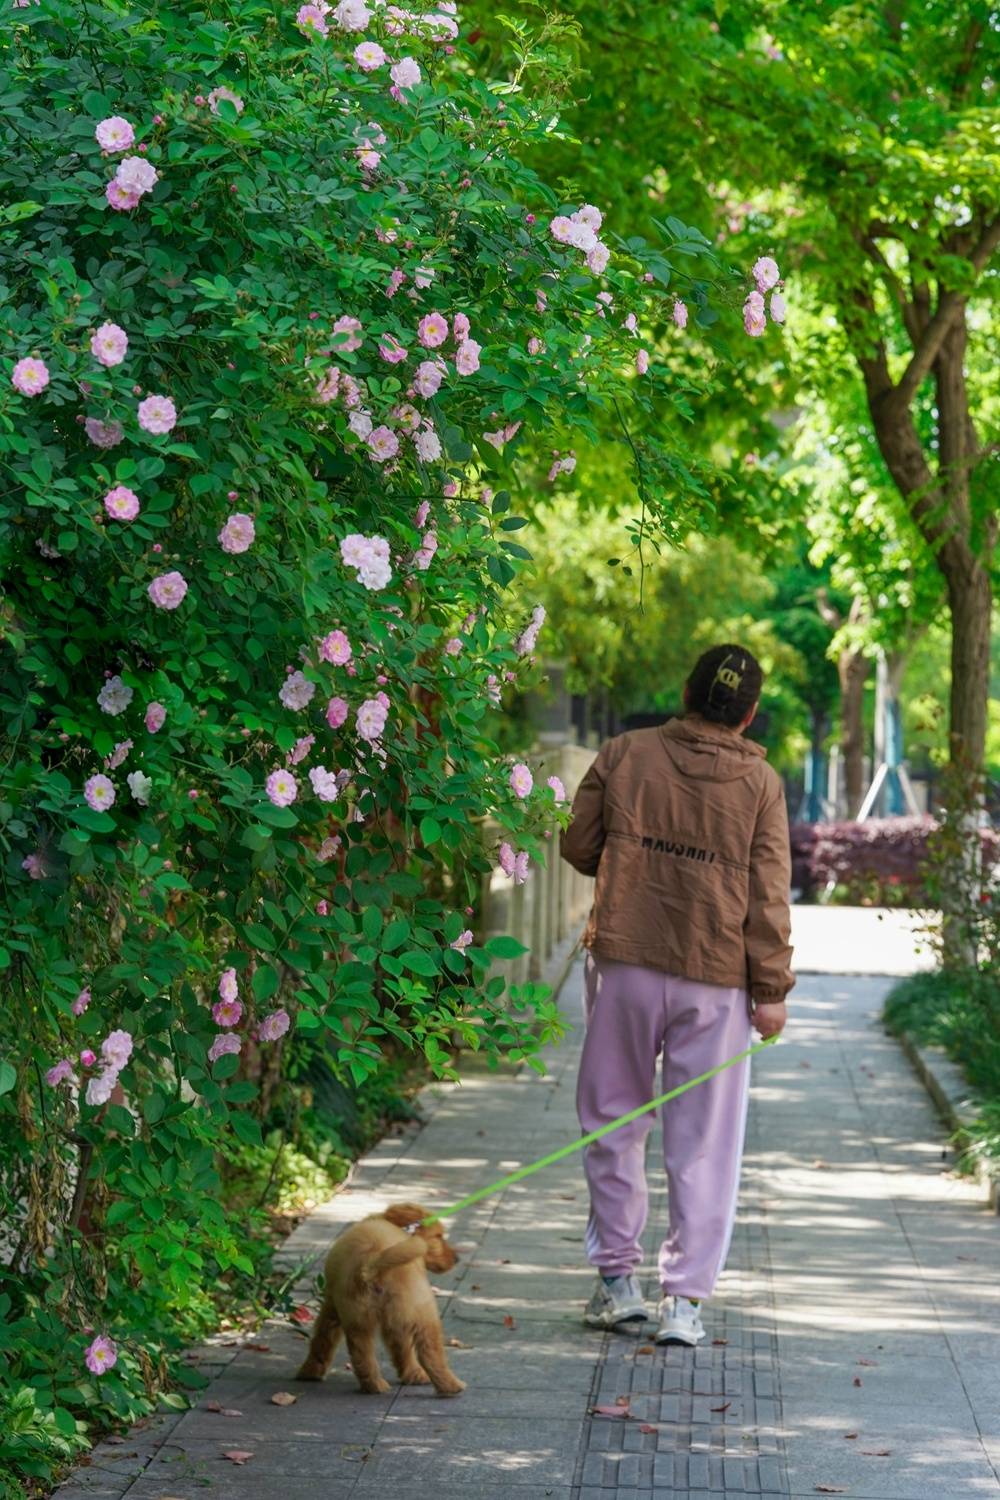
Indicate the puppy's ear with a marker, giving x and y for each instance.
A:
(404, 1214)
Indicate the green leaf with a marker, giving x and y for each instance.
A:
(430, 830)
(419, 962)
(246, 1128)
(505, 947)
(395, 934)
(265, 982)
(8, 1077)
(260, 937)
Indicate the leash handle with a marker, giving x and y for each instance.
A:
(594, 1135)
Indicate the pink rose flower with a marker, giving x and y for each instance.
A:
(521, 780)
(109, 344)
(238, 534)
(156, 716)
(120, 197)
(115, 134)
(462, 941)
(392, 350)
(313, 18)
(273, 1026)
(467, 357)
(228, 987)
(432, 330)
(136, 175)
(347, 332)
(335, 648)
(167, 590)
(369, 56)
(221, 92)
(30, 376)
(765, 273)
(383, 444)
(122, 503)
(81, 1002)
(116, 1049)
(336, 712)
(281, 788)
(642, 362)
(428, 445)
(557, 786)
(460, 327)
(103, 434)
(680, 314)
(406, 73)
(101, 1355)
(779, 307)
(62, 1072)
(227, 1012)
(427, 380)
(224, 1043)
(88, 1057)
(99, 792)
(157, 414)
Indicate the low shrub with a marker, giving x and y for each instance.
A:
(880, 862)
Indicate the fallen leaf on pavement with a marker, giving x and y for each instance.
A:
(646, 1349)
(283, 1398)
(721, 1408)
(867, 1361)
(474, 1287)
(830, 1489)
(824, 1164)
(850, 1434)
(114, 1439)
(264, 1348)
(648, 1427)
(508, 1321)
(457, 1344)
(302, 1315)
(237, 1456)
(805, 1064)
(609, 1411)
(876, 1452)
(223, 1411)
(720, 1341)
(966, 1257)
(622, 1400)
(857, 1380)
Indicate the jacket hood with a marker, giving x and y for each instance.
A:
(709, 752)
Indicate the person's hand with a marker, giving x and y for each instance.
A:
(770, 1020)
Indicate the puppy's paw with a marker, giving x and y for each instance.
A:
(454, 1387)
(416, 1376)
(309, 1371)
(375, 1387)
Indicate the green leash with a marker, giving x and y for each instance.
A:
(585, 1140)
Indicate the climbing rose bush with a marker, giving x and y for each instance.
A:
(279, 299)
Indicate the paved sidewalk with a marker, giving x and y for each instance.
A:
(854, 1340)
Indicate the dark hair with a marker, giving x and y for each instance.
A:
(724, 685)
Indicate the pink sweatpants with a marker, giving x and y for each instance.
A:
(633, 1012)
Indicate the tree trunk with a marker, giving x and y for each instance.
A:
(852, 669)
(970, 597)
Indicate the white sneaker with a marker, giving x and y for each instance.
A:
(680, 1322)
(618, 1301)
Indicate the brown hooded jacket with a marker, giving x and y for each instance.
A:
(686, 829)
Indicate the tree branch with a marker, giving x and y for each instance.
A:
(949, 306)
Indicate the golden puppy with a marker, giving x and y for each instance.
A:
(376, 1278)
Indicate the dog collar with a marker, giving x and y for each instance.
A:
(412, 1228)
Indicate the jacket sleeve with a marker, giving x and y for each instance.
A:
(582, 842)
(767, 927)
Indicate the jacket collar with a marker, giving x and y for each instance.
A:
(694, 727)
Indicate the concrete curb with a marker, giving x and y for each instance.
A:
(948, 1087)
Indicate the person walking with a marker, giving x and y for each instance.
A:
(686, 829)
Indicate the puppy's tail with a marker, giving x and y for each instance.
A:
(408, 1250)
